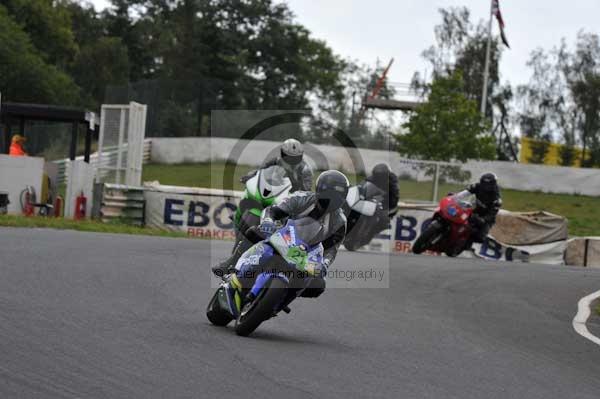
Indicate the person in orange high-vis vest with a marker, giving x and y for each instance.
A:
(16, 146)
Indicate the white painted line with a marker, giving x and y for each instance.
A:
(582, 316)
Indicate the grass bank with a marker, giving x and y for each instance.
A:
(83, 225)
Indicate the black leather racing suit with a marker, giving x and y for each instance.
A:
(304, 204)
(483, 218)
(389, 185)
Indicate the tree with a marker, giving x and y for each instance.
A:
(99, 64)
(539, 150)
(562, 100)
(461, 46)
(568, 155)
(200, 54)
(48, 25)
(145, 28)
(24, 74)
(448, 126)
(583, 77)
(230, 54)
(542, 104)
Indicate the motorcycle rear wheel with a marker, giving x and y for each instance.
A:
(427, 237)
(261, 308)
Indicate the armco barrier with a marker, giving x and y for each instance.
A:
(207, 213)
(116, 202)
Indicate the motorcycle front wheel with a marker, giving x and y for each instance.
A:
(215, 313)
(428, 237)
(261, 309)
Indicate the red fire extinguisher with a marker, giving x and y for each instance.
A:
(58, 204)
(80, 205)
(28, 199)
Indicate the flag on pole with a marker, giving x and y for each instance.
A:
(496, 12)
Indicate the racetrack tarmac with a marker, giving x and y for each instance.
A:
(86, 315)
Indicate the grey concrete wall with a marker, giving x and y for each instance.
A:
(552, 179)
(254, 152)
(18, 172)
(80, 180)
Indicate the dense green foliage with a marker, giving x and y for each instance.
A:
(460, 46)
(187, 58)
(183, 58)
(448, 126)
(561, 102)
(27, 73)
(457, 61)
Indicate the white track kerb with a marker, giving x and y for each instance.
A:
(582, 316)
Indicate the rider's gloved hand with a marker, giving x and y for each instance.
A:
(267, 226)
(244, 179)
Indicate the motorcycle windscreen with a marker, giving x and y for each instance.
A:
(273, 182)
(310, 231)
(306, 232)
(465, 199)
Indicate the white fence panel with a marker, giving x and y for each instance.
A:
(123, 128)
(110, 155)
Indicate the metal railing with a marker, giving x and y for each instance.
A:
(108, 159)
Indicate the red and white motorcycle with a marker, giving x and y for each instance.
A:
(449, 230)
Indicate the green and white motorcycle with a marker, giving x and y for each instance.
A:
(269, 186)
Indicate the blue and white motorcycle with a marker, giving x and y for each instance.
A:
(269, 276)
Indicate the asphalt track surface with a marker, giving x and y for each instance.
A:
(105, 316)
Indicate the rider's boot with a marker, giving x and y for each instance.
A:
(228, 265)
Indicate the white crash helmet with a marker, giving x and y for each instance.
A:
(292, 151)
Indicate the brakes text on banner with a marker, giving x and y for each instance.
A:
(199, 214)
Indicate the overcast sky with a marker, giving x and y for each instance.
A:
(402, 29)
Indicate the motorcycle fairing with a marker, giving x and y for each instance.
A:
(272, 183)
(288, 243)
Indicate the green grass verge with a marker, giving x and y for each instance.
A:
(582, 212)
(82, 225)
(195, 175)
